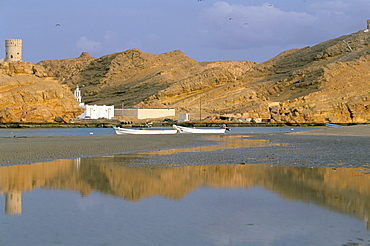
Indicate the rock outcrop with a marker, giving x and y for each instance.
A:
(27, 95)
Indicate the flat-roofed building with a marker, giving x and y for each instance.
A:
(145, 113)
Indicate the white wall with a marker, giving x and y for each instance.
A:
(97, 112)
(146, 113)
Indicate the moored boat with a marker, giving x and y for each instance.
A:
(333, 125)
(120, 131)
(183, 129)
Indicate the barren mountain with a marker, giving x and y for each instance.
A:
(329, 82)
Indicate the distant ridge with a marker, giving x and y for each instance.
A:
(326, 83)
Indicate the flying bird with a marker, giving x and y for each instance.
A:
(57, 24)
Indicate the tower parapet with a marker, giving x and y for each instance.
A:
(13, 49)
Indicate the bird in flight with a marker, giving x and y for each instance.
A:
(57, 24)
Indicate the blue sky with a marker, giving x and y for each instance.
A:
(205, 30)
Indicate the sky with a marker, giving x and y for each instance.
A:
(205, 30)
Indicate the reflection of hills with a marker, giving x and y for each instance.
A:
(343, 190)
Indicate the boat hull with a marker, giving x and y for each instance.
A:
(121, 131)
(183, 129)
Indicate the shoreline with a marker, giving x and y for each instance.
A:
(110, 123)
(346, 146)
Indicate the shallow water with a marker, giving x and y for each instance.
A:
(36, 132)
(170, 197)
(115, 200)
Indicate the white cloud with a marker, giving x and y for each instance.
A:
(88, 45)
(236, 26)
(110, 38)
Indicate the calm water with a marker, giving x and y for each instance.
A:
(26, 132)
(104, 201)
(115, 200)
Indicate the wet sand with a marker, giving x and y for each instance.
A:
(339, 146)
(355, 130)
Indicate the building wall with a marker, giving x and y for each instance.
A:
(146, 113)
(184, 117)
(97, 112)
(13, 49)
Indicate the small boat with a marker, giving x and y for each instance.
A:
(121, 131)
(333, 125)
(183, 129)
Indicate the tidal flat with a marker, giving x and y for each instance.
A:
(261, 187)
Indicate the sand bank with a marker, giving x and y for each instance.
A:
(33, 149)
(356, 130)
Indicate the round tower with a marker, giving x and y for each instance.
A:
(368, 24)
(13, 49)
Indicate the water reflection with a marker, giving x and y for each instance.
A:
(224, 142)
(343, 190)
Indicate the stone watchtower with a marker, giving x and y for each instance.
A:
(13, 49)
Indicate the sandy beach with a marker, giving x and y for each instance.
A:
(339, 146)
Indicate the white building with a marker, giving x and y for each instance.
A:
(93, 111)
(184, 117)
(146, 113)
(77, 94)
(97, 112)
(108, 112)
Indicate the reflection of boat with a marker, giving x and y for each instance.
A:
(120, 131)
(183, 129)
(332, 125)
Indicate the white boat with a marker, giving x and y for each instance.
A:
(183, 129)
(120, 131)
(333, 125)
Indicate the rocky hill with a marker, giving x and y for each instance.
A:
(326, 83)
(134, 77)
(329, 82)
(27, 95)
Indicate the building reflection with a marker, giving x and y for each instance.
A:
(344, 190)
(13, 202)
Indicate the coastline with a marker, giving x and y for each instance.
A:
(103, 123)
(345, 146)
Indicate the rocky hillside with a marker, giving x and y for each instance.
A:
(329, 82)
(26, 95)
